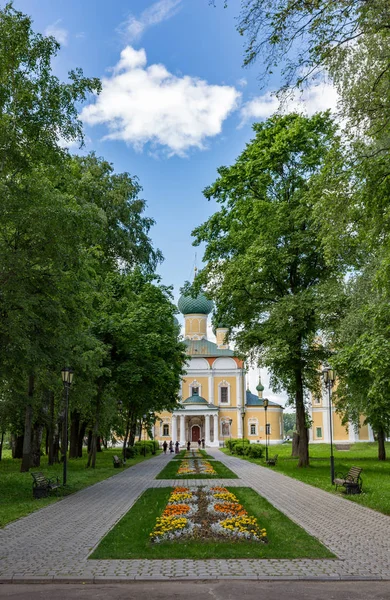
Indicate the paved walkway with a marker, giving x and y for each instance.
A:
(54, 543)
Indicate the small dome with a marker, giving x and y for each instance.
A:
(199, 305)
(195, 399)
(260, 387)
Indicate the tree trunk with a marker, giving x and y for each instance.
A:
(381, 444)
(26, 460)
(99, 444)
(74, 433)
(56, 444)
(36, 445)
(295, 445)
(1, 445)
(303, 447)
(89, 440)
(17, 446)
(80, 440)
(50, 431)
(126, 436)
(92, 453)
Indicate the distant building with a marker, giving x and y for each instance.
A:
(214, 403)
(342, 434)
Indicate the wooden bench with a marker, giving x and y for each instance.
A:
(42, 485)
(352, 481)
(271, 462)
(118, 462)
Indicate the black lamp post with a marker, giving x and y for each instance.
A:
(328, 376)
(230, 434)
(67, 378)
(243, 422)
(265, 404)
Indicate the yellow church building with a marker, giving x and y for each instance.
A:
(214, 404)
(324, 413)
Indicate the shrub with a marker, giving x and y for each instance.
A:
(146, 447)
(237, 443)
(131, 451)
(254, 451)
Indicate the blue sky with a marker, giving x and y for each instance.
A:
(176, 102)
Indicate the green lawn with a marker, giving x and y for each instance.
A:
(16, 499)
(170, 472)
(130, 538)
(375, 475)
(204, 454)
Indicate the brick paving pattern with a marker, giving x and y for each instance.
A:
(54, 542)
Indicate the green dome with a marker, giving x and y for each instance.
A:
(199, 305)
(260, 387)
(195, 399)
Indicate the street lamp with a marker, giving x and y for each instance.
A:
(265, 404)
(67, 378)
(230, 434)
(243, 417)
(328, 377)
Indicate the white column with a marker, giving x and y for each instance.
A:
(182, 431)
(370, 433)
(239, 390)
(325, 425)
(174, 428)
(207, 438)
(216, 430)
(211, 388)
(239, 424)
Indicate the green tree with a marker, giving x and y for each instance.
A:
(289, 420)
(265, 266)
(361, 353)
(349, 39)
(144, 358)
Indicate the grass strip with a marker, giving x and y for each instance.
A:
(130, 537)
(16, 498)
(170, 472)
(375, 475)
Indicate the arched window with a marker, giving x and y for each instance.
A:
(165, 429)
(224, 392)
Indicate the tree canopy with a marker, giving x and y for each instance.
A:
(265, 265)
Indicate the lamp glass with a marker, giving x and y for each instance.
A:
(265, 402)
(67, 375)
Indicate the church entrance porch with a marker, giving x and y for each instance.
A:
(196, 426)
(195, 433)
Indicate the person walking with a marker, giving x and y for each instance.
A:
(165, 446)
(177, 448)
(188, 446)
(171, 446)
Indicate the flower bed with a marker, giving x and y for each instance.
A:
(206, 513)
(195, 467)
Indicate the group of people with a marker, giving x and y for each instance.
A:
(176, 448)
(170, 446)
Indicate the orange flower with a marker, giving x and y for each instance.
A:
(231, 508)
(175, 510)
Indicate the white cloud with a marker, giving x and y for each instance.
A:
(313, 99)
(147, 104)
(134, 27)
(59, 33)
